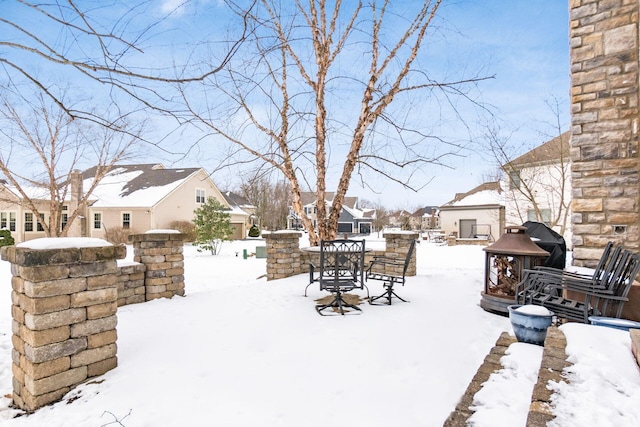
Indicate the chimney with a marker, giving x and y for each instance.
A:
(75, 230)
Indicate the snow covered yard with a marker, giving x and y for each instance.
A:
(238, 351)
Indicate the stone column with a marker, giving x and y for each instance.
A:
(283, 254)
(604, 126)
(64, 318)
(397, 246)
(162, 255)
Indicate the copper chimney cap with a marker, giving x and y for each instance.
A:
(516, 242)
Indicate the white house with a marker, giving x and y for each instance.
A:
(476, 213)
(538, 187)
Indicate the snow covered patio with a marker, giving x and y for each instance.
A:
(239, 350)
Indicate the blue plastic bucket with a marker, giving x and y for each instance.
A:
(612, 322)
(529, 327)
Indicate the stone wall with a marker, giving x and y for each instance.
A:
(283, 254)
(131, 289)
(604, 126)
(285, 259)
(162, 255)
(64, 304)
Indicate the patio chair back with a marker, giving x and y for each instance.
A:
(341, 264)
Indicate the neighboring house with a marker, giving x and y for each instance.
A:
(427, 218)
(400, 219)
(477, 213)
(243, 206)
(538, 187)
(137, 197)
(16, 217)
(148, 196)
(352, 220)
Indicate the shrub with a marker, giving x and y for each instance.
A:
(118, 235)
(187, 228)
(254, 231)
(5, 238)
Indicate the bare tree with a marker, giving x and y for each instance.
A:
(381, 219)
(42, 146)
(288, 97)
(537, 182)
(105, 47)
(271, 199)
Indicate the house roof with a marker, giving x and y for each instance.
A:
(350, 204)
(309, 198)
(427, 210)
(489, 193)
(138, 185)
(235, 199)
(553, 150)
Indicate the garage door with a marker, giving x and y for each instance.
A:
(345, 227)
(237, 232)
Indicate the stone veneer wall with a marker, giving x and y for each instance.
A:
(162, 255)
(285, 259)
(397, 246)
(283, 254)
(131, 289)
(64, 304)
(604, 126)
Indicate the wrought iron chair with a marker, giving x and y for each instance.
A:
(340, 270)
(576, 297)
(390, 271)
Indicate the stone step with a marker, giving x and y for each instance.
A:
(554, 360)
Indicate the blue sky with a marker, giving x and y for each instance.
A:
(524, 43)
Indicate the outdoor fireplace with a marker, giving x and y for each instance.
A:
(505, 263)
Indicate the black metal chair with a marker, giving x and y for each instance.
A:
(390, 271)
(576, 297)
(340, 270)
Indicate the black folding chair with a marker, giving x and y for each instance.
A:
(390, 271)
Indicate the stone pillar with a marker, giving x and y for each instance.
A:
(604, 126)
(64, 318)
(397, 246)
(162, 255)
(131, 289)
(283, 254)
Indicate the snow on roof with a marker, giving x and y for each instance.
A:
(136, 187)
(33, 192)
(489, 193)
(486, 197)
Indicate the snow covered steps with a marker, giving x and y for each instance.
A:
(552, 364)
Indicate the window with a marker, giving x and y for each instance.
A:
(97, 220)
(126, 220)
(544, 213)
(200, 195)
(39, 225)
(514, 180)
(28, 221)
(64, 217)
(8, 221)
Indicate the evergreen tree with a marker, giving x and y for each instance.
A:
(213, 226)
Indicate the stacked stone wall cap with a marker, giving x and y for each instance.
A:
(157, 235)
(401, 234)
(280, 234)
(61, 250)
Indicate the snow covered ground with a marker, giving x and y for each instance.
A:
(241, 351)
